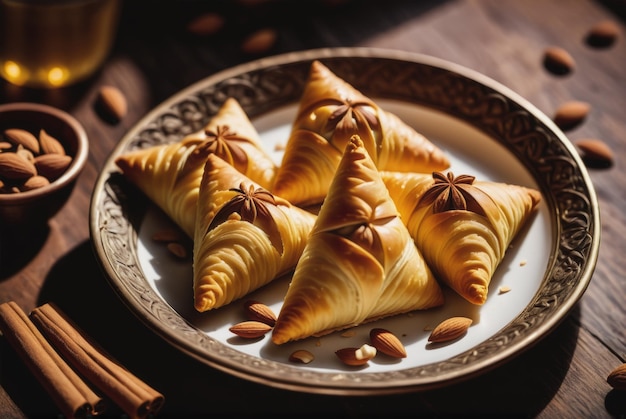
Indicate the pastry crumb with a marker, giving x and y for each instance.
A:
(523, 262)
(503, 290)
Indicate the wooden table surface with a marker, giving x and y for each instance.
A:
(563, 375)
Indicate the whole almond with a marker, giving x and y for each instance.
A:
(388, 343)
(14, 167)
(356, 356)
(603, 34)
(34, 182)
(595, 153)
(49, 144)
(177, 249)
(52, 165)
(450, 329)
(571, 114)
(558, 61)
(250, 329)
(259, 41)
(20, 136)
(113, 102)
(617, 378)
(260, 312)
(206, 24)
(167, 235)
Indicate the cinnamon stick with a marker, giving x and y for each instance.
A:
(70, 393)
(130, 393)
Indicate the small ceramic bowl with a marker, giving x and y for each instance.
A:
(25, 206)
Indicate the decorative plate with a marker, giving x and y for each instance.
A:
(486, 129)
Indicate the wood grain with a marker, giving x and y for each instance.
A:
(563, 375)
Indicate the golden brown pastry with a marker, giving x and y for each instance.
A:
(234, 139)
(330, 112)
(360, 263)
(463, 227)
(170, 174)
(245, 237)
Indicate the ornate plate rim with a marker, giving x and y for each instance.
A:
(521, 127)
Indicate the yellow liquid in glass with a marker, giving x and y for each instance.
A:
(54, 43)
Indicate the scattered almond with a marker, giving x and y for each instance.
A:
(260, 41)
(558, 61)
(167, 236)
(20, 136)
(603, 34)
(571, 114)
(49, 144)
(177, 250)
(356, 356)
(450, 329)
(348, 334)
(302, 356)
(250, 329)
(387, 343)
(113, 102)
(206, 24)
(260, 312)
(617, 378)
(595, 153)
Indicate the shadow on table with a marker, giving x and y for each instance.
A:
(17, 248)
(79, 288)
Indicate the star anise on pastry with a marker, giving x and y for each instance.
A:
(349, 116)
(224, 143)
(252, 205)
(366, 235)
(453, 193)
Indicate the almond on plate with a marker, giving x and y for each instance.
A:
(388, 343)
(450, 329)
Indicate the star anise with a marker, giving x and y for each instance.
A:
(350, 116)
(252, 205)
(366, 235)
(224, 143)
(453, 193)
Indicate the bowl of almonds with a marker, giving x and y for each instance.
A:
(42, 151)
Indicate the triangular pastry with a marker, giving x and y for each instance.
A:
(331, 111)
(236, 141)
(360, 263)
(245, 237)
(463, 227)
(169, 174)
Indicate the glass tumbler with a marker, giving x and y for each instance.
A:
(54, 43)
